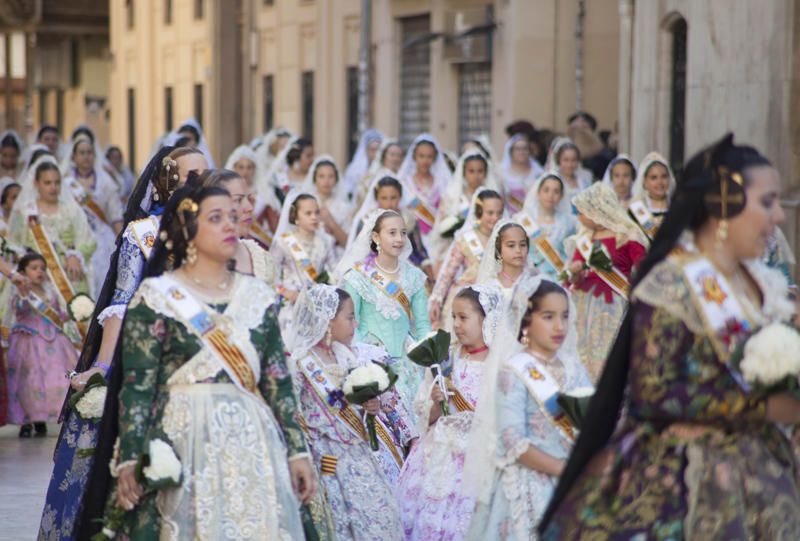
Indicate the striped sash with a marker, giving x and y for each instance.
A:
(84, 198)
(613, 278)
(542, 243)
(298, 253)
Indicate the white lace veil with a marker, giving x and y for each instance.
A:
(20, 145)
(279, 164)
(649, 160)
(599, 203)
(360, 163)
(360, 248)
(67, 164)
(480, 462)
(439, 170)
(28, 195)
(531, 206)
(458, 185)
(490, 267)
(505, 165)
(377, 162)
(370, 203)
(313, 311)
(308, 183)
(25, 163)
(618, 158)
(283, 224)
(202, 145)
(483, 141)
(491, 300)
(260, 181)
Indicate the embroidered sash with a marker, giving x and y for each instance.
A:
(459, 400)
(41, 307)
(201, 320)
(389, 287)
(424, 214)
(516, 199)
(542, 243)
(472, 243)
(263, 234)
(544, 389)
(144, 233)
(298, 253)
(323, 387)
(722, 314)
(84, 198)
(613, 278)
(54, 269)
(644, 218)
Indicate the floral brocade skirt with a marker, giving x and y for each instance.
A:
(236, 481)
(598, 322)
(665, 486)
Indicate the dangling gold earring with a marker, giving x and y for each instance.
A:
(329, 337)
(722, 231)
(191, 253)
(525, 340)
(378, 247)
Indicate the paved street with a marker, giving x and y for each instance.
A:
(25, 467)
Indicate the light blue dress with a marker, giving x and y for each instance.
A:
(520, 495)
(563, 227)
(73, 459)
(383, 321)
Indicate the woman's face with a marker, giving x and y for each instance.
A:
(490, 214)
(9, 157)
(11, 197)
(568, 162)
(388, 198)
(241, 204)
(343, 326)
(521, 152)
(190, 162)
(750, 230)
(392, 236)
(393, 158)
(325, 179)
(83, 156)
(245, 169)
(656, 181)
(49, 186)
(467, 323)
(550, 194)
(424, 155)
(475, 173)
(217, 228)
(306, 159)
(372, 149)
(514, 247)
(307, 215)
(548, 327)
(622, 179)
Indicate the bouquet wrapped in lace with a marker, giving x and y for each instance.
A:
(431, 352)
(769, 359)
(575, 404)
(156, 469)
(365, 383)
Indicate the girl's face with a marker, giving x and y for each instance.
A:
(241, 204)
(11, 198)
(49, 186)
(548, 327)
(491, 214)
(325, 179)
(36, 271)
(388, 198)
(656, 181)
(588, 223)
(424, 155)
(217, 228)
(190, 162)
(306, 159)
(568, 162)
(622, 179)
(392, 236)
(750, 230)
(307, 215)
(245, 169)
(9, 156)
(280, 142)
(393, 158)
(550, 194)
(372, 149)
(83, 155)
(343, 326)
(521, 152)
(474, 173)
(467, 323)
(514, 247)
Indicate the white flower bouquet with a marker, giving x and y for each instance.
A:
(449, 226)
(769, 360)
(365, 383)
(156, 469)
(89, 402)
(81, 307)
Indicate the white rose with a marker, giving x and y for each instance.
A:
(448, 223)
(163, 462)
(91, 404)
(581, 392)
(82, 307)
(771, 354)
(365, 375)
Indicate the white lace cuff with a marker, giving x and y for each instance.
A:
(513, 454)
(114, 310)
(299, 456)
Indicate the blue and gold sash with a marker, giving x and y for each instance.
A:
(298, 253)
(389, 287)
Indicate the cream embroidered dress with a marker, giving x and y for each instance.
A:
(233, 444)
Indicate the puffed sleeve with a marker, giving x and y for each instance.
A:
(130, 265)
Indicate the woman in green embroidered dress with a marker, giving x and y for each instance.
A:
(228, 411)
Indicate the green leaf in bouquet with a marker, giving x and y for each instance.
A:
(441, 345)
(323, 278)
(451, 231)
(599, 258)
(574, 407)
(433, 350)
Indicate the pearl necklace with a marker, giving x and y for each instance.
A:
(387, 271)
(222, 286)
